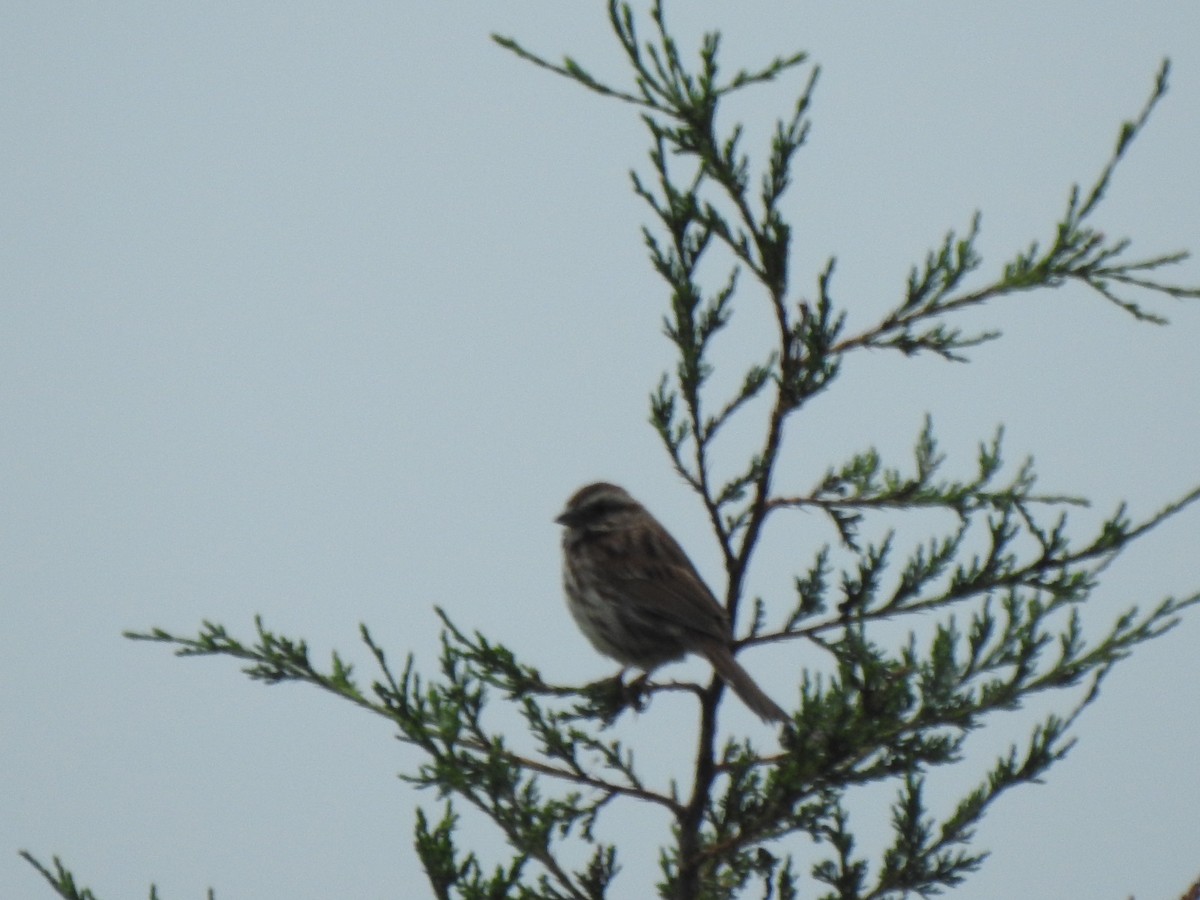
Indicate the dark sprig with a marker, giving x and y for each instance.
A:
(864, 484)
(662, 81)
(62, 881)
(1079, 252)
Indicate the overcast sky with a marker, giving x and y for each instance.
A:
(319, 311)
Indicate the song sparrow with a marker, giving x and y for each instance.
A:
(638, 598)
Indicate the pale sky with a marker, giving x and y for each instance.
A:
(320, 311)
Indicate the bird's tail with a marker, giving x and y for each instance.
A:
(743, 684)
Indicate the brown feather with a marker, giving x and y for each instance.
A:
(637, 597)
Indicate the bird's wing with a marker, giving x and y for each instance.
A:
(659, 577)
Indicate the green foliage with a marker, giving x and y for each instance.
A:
(1001, 591)
(63, 882)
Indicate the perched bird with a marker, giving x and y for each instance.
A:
(638, 598)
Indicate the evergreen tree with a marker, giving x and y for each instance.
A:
(995, 604)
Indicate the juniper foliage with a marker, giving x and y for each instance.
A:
(1007, 582)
